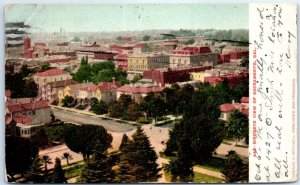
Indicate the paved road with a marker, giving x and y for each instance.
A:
(81, 118)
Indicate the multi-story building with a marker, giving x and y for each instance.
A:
(233, 80)
(142, 62)
(165, 76)
(27, 116)
(227, 108)
(193, 55)
(51, 75)
(138, 91)
(50, 91)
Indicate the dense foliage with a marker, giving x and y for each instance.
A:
(19, 154)
(238, 125)
(99, 72)
(235, 169)
(21, 84)
(138, 160)
(88, 135)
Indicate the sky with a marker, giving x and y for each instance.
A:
(127, 17)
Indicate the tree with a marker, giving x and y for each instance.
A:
(35, 172)
(138, 160)
(181, 168)
(146, 38)
(153, 105)
(88, 134)
(125, 140)
(68, 101)
(99, 107)
(205, 136)
(58, 175)
(136, 78)
(119, 108)
(45, 67)
(19, 154)
(84, 73)
(189, 42)
(238, 125)
(245, 62)
(133, 112)
(235, 170)
(46, 160)
(97, 169)
(40, 138)
(67, 156)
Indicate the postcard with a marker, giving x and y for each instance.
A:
(150, 93)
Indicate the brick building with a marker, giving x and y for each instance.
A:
(172, 75)
(232, 79)
(193, 55)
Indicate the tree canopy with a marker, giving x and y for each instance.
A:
(19, 154)
(238, 125)
(204, 134)
(235, 170)
(81, 139)
(138, 160)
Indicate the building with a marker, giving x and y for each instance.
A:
(165, 76)
(72, 90)
(107, 91)
(227, 108)
(233, 80)
(137, 63)
(121, 60)
(51, 75)
(193, 55)
(27, 116)
(50, 91)
(138, 91)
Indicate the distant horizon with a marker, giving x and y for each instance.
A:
(74, 18)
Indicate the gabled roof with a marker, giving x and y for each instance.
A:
(51, 72)
(18, 107)
(108, 86)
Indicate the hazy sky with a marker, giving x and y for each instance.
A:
(113, 17)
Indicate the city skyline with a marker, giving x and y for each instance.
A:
(127, 17)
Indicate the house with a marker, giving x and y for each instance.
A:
(50, 91)
(147, 61)
(72, 90)
(227, 108)
(51, 75)
(165, 76)
(107, 91)
(138, 91)
(27, 116)
(233, 80)
(193, 55)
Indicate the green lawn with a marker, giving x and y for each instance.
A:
(198, 177)
(73, 171)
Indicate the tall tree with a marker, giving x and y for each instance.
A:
(35, 172)
(146, 38)
(46, 160)
(19, 154)
(124, 142)
(138, 160)
(235, 170)
(40, 138)
(181, 168)
(67, 156)
(133, 112)
(238, 125)
(58, 175)
(205, 136)
(98, 169)
(153, 105)
(88, 134)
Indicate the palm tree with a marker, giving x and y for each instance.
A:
(67, 156)
(46, 160)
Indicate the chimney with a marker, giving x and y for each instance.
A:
(113, 80)
(233, 102)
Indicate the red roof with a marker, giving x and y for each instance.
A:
(227, 107)
(108, 86)
(51, 72)
(245, 100)
(27, 106)
(140, 89)
(89, 88)
(24, 119)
